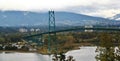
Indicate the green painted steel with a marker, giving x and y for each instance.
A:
(80, 28)
(52, 28)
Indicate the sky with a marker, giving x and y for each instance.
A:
(100, 8)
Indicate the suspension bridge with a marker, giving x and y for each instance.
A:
(52, 30)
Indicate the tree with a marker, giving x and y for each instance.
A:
(69, 42)
(106, 49)
(2, 39)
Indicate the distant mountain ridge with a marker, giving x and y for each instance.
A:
(25, 18)
(116, 17)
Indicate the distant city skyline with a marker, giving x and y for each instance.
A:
(100, 8)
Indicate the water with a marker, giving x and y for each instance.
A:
(83, 54)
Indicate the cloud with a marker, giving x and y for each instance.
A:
(37, 4)
(88, 7)
(105, 13)
(107, 9)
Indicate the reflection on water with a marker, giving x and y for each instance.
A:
(84, 54)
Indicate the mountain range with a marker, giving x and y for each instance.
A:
(26, 18)
(116, 17)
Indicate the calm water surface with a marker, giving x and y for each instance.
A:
(83, 54)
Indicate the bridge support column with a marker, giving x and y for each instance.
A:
(52, 27)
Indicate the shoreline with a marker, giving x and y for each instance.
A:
(10, 51)
(19, 51)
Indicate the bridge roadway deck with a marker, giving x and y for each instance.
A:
(81, 28)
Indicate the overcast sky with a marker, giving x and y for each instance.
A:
(102, 8)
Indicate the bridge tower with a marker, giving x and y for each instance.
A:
(52, 27)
